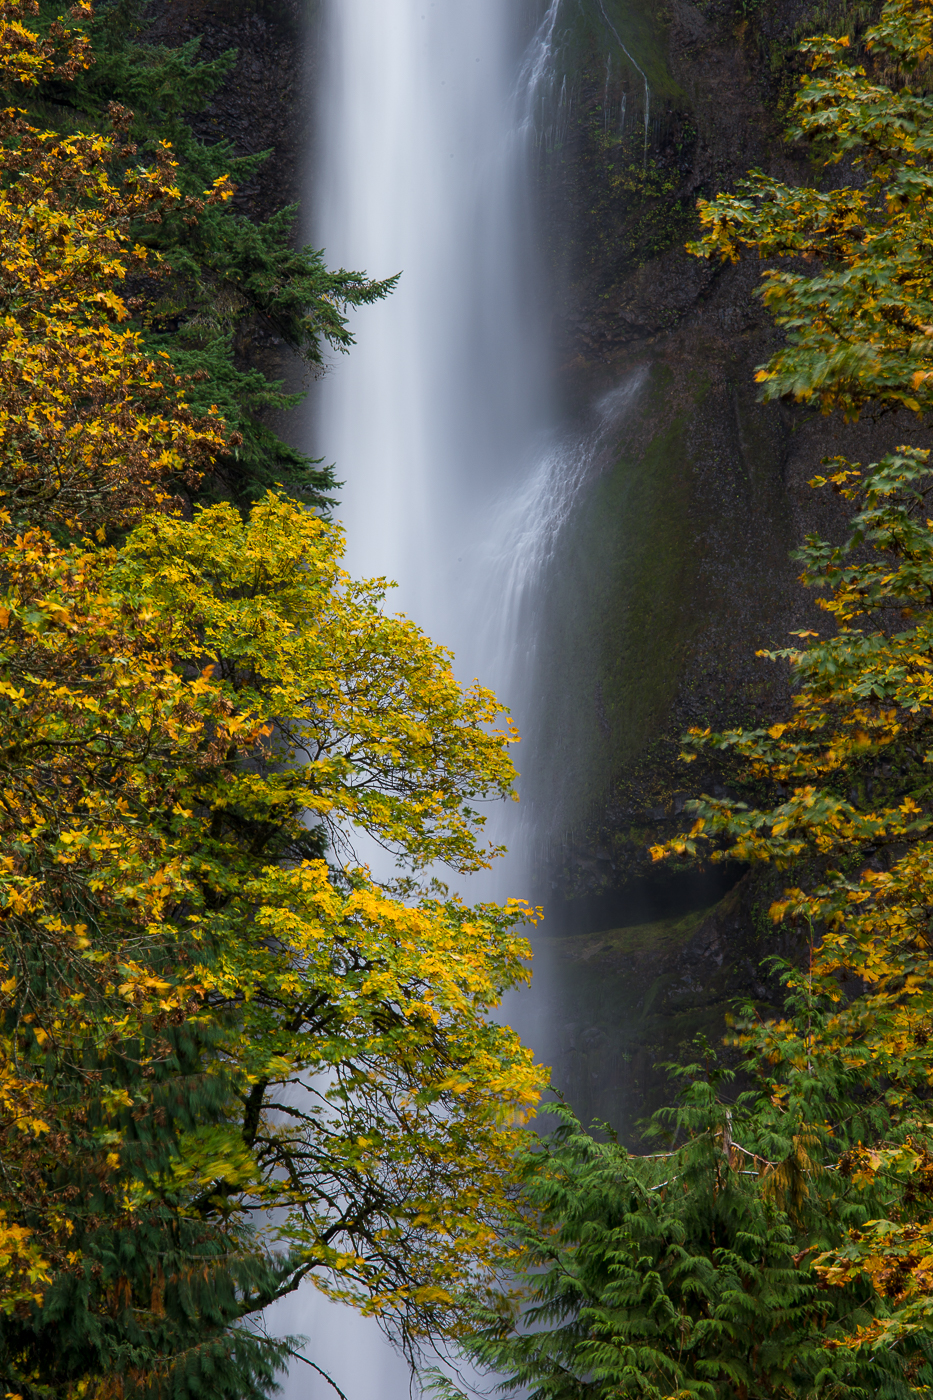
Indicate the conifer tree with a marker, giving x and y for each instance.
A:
(231, 276)
(687, 1271)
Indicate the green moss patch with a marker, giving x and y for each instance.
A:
(657, 939)
(616, 620)
(626, 1000)
(609, 27)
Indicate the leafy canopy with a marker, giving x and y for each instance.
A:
(859, 327)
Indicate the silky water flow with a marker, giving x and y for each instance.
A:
(456, 482)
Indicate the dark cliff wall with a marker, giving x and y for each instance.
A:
(684, 539)
(676, 569)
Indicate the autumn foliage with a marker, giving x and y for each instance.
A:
(91, 429)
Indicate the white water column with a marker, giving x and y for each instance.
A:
(435, 419)
(424, 169)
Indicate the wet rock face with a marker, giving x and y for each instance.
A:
(619, 210)
(624, 1000)
(676, 570)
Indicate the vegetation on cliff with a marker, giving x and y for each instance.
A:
(230, 1059)
(779, 1243)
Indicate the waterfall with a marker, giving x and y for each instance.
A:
(422, 171)
(456, 483)
(424, 129)
(436, 419)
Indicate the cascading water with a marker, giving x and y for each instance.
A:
(455, 483)
(424, 169)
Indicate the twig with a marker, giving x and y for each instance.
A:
(313, 1364)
